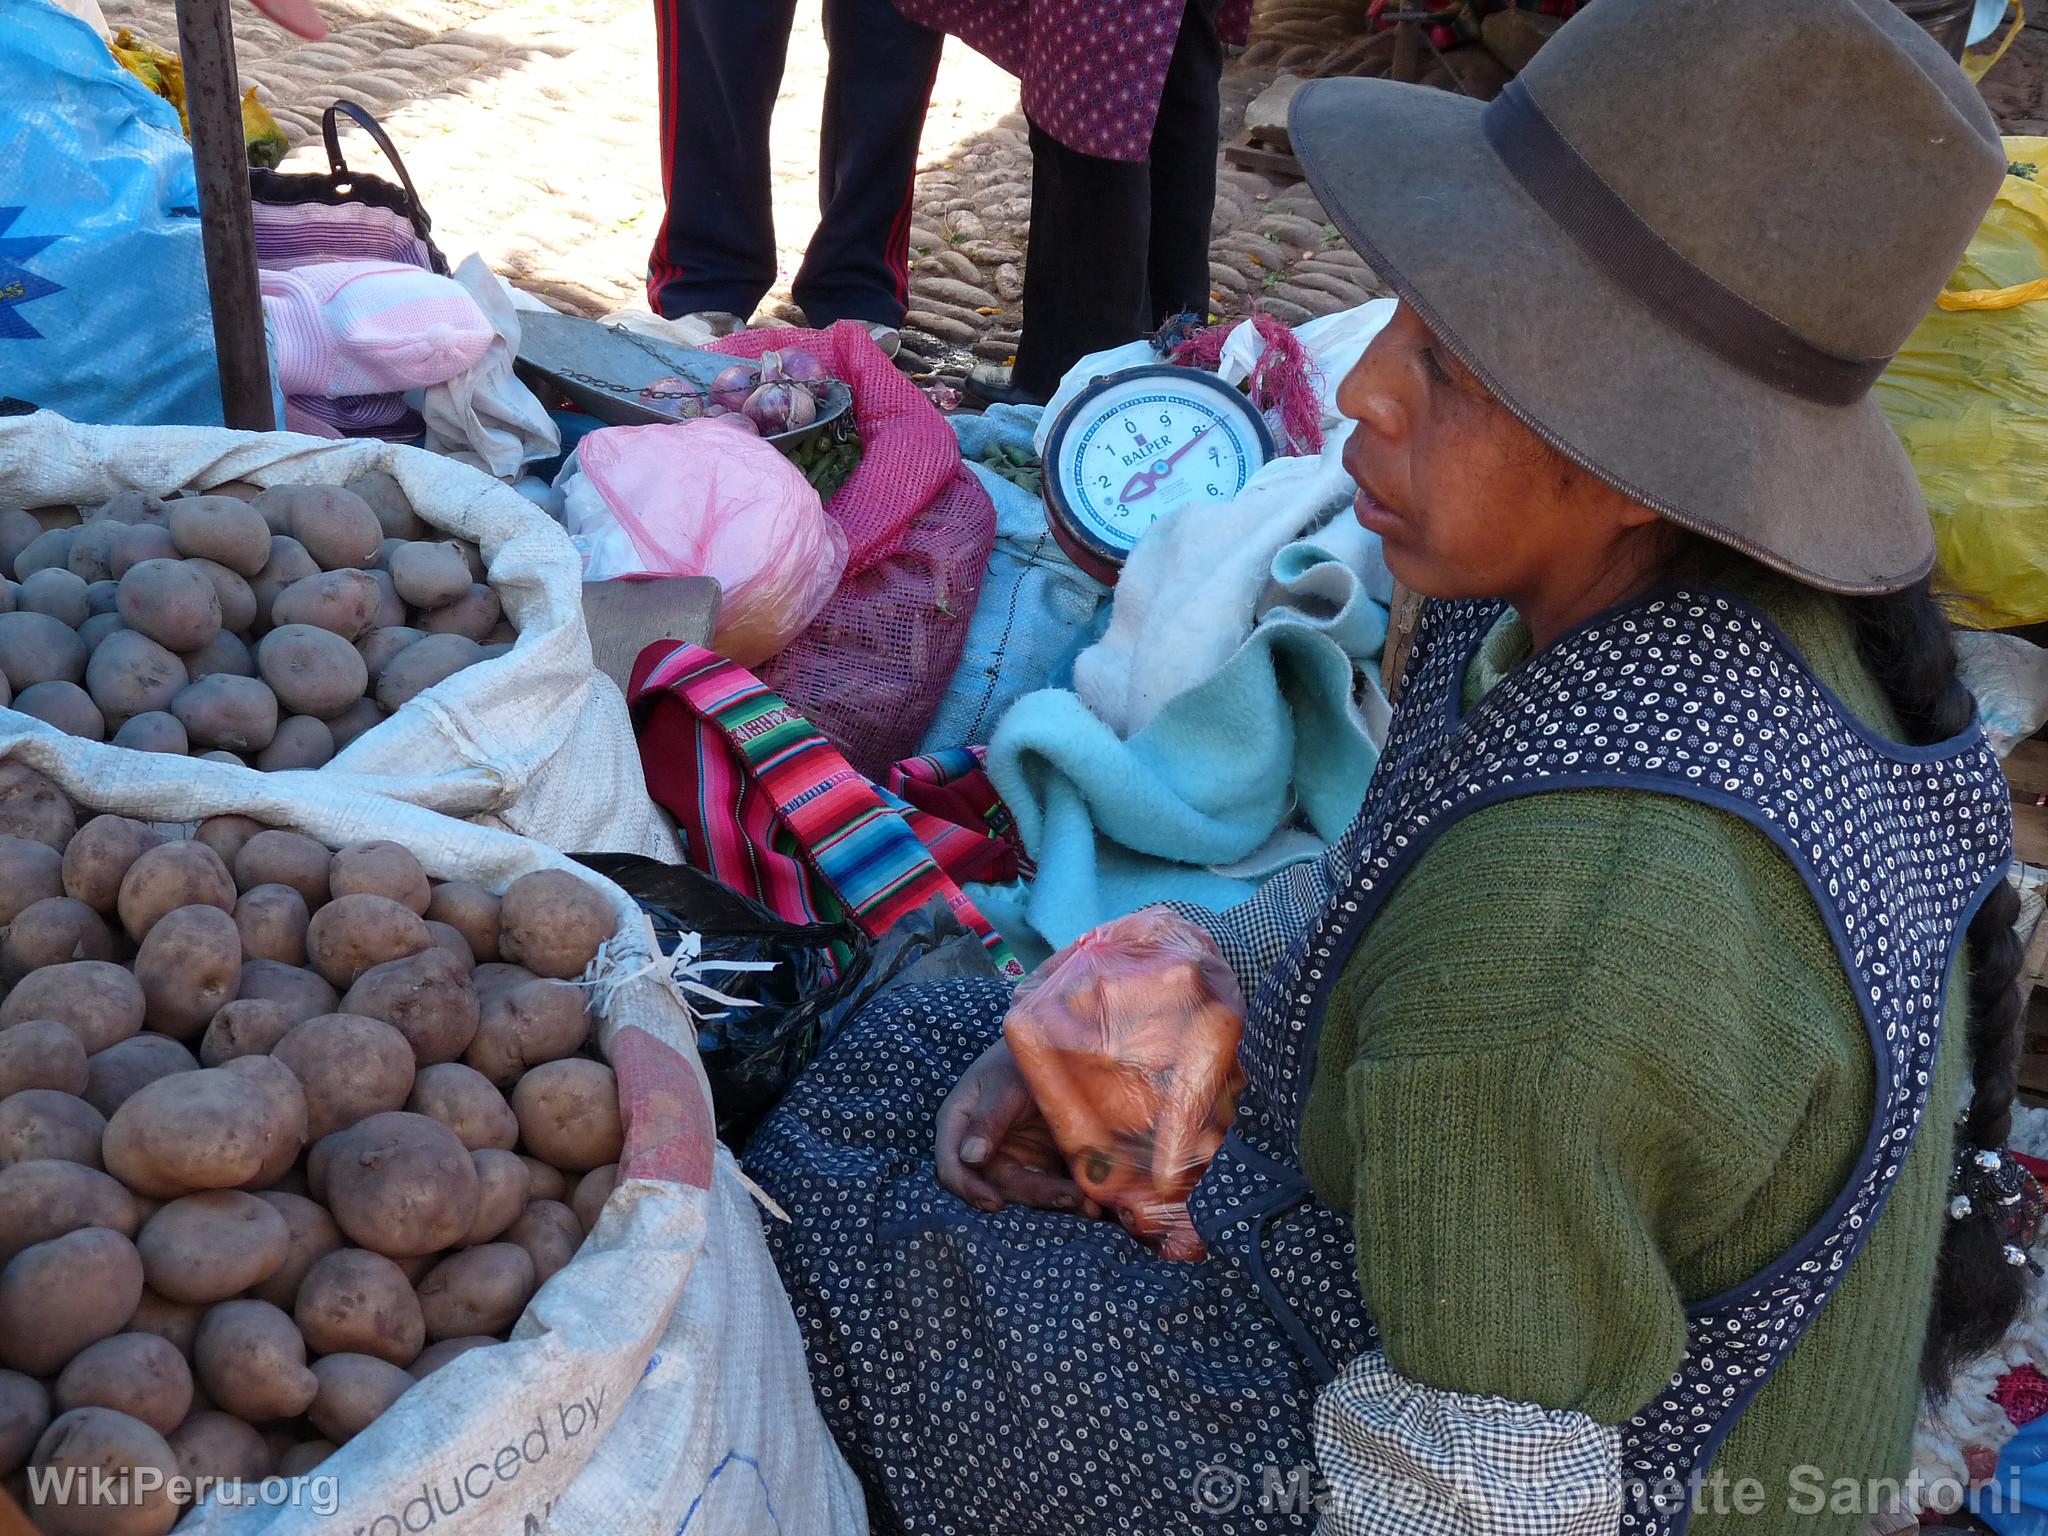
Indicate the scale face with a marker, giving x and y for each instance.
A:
(1138, 443)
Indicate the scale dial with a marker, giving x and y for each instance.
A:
(1138, 443)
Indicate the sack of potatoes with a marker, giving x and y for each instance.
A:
(284, 1129)
(269, 628)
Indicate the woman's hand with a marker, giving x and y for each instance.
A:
(993, 1146)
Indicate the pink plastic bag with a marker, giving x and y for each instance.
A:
(701, 499)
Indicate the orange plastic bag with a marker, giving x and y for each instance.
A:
(1127, 1039)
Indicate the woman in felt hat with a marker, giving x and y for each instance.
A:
(1598, 1167)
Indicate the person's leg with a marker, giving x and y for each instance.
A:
(721, 66)
(1183, 168)
(877, 86)
(1084, 272)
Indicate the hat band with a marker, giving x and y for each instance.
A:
(1692, 302)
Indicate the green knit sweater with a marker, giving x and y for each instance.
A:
(1597, 1058)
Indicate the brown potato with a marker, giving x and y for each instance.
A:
(354, 934)
(343, 601)
(469, 909)
(47, 1198)
(100, 856)
(502, 1184)
(285, 1099)
(154, 733)
(312, 671)
(167, 878)
(207, 1247)
(30, 872)
(55, 931)
(172, 603)
(302, 1458)
(87, 1441)
(379, 646)
(300, 993)
(49, 550)
(288, 563)
(552, 922)
(24, 1415)
(522, 1025)
(225, 653)
(354, 1389)
(284, 858)
(363, 715)
(132, 507)
(210, 1129)
(41, 1053)
(190, 968)
(353, 1301)
(569, 1113)
(215, 1447)
(58, 1296)
(479, 1290)
(550, 1234)
(171, 1320)
(227, 835)
(463, 1099)
(243, 1028)
(100, 601)
(313, 1236)
(337, 527)
(66, 706)
(388, 500)
(454, 943)
(33, 807)
(125, 1068)
(474, 615)
(138, 1374)
(38, 1123)
(426, 997)
(421, 665)
(251, 1361)
(430, 575)
(352, 1067)
(402, 1185)
(18, 530)
(223, 529)
(390, 606)
(97, 1001)
(35, 648)
(544, 1180)
(381, 869)
(436, 1355)
(272, 921)
(237, 598)
(592, 1191)
(300, 743)
(58, 593)
(140, 543)
(223, 711)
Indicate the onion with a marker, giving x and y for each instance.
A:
(683, 397)
(732, 386)
(738, 422)
(801, 367)
(771, 367)
(781, 408)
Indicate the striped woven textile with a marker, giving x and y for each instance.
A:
(769, 807)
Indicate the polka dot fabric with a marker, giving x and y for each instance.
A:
(1092, 70)
(1012, 1372)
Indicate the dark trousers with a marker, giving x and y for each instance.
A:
(1118, 247)
(721, 68)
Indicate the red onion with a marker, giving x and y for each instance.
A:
(732, 386)
(771, 367)
(738, 422)
(801, 367)
(684, 397)
(781, 408)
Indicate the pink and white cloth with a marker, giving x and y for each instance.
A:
(346, 328)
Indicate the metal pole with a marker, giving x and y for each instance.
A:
(213, 105)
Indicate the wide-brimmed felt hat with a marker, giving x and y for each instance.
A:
(1681, 247)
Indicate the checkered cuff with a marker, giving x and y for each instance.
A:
(1256, 936)
(1401, 1459)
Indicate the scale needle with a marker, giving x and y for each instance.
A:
(1146, 480)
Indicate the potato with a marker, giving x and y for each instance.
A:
(312, 671)
(207, 1247)
(215, 1447)
(49, 550)
(383, 495)
(421, 665)
(153, 732)
(381, 869)
(58, 1296)
(137, 1374)
(99, 1002)
(524, 1024)
(285, 858)
(131, 507)
(171, 602)
(337, 527)
(469, 909)
(344, 601)
(41, 1053)
(210, 1129)
(33, 808)
(275, 506)
(379, 646)
(143, 542)
(24, 1415)
(124, 1069)
(223, 711)
(46, 1198)
(363, 715)
(354, 1389)
(164, 879)
(353, 1301)
(550, 1235)
(237, 597)
(100, 857)
(434, 1356)
(355, 933)
(251, 1361)
(301, 743)
(66, 706)
(302, 1458)
(402, 1185)
(391, 610)
(544, 1180)
(473, 615)
(502, 1184)
(222, 529)
(312, 1236)
(243, 1029)
(91, 555)
(41, 1123)
(386, 550)
(29, 872)
(35, 648)
(18, 530)
(190, 968)
(592, 1191)
(285, 1100)
(171, 1320)
(272, 920)
(569, 1113)
(464, 1100)
(139, 1499)
(58, 593)
(552, 922)
(300, 993)
(227, 835)
(352, 1067)
(427, 998)
(449, 939)
(429, 575)
(225, 654)
(479, 1290)
(55, 931)
(101, 599)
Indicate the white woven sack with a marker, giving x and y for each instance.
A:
(656, 1385)
(536, 741)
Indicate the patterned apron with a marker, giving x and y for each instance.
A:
(1031, 1372)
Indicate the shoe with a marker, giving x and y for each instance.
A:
(887, 337)
(692, 330)
(993, 384)
(713, 323)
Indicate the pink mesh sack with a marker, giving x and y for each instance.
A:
(870, 672)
